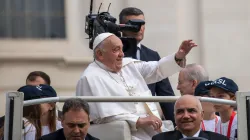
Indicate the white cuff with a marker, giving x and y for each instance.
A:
(132, 122)
(168, 66)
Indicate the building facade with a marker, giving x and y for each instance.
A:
(50, 36)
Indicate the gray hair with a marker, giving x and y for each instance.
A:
(196, 72)
(199, 106)
(99, 46)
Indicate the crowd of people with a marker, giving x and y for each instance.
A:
(113, 74)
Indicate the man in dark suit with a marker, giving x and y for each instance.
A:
(162, 88)
(59, 135)
(188, 116)
(75, 122)
(176, 135)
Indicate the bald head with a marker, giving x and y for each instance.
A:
(190, 77)
(188, 99)
(188, 114)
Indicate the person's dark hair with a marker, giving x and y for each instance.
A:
(2, 127)
(129, 11)
(32, 76)
(32, 114)
(76, 105)
(2, 121)
(53, 118)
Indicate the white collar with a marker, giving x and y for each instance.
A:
(195, 135)
(139, 45)
(101, 65)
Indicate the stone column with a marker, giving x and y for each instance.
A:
(75, 11)
(189, 26)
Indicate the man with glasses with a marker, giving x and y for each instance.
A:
(190, 77)
(75, 122)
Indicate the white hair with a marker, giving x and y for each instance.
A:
(99, 46)
(196, 72)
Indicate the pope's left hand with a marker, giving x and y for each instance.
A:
(185, 48)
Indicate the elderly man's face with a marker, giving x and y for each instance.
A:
(188, 115)
(185, 86)
(75, 124)
(112, 53)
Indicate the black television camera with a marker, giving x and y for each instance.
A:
(103, 22)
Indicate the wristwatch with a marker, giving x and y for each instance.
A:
(177, 59)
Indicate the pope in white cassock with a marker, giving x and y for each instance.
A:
(112, 75)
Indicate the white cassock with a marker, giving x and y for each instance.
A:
(132, 80)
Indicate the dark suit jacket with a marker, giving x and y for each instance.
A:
(176, 135)
(59, 135)
(162, 88)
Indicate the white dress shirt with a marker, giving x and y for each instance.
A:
(138, 55)
(195, 135)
